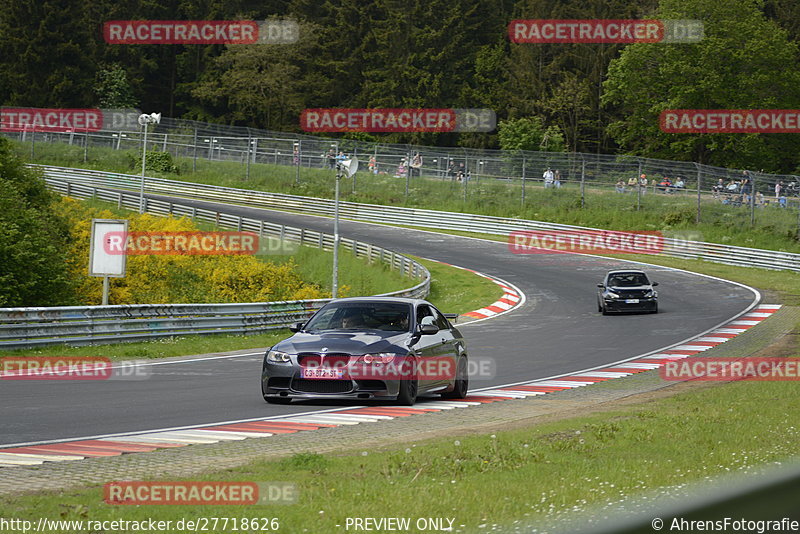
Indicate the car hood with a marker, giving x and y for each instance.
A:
(631, 288)
(350, 342)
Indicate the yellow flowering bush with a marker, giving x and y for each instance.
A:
(162, 279)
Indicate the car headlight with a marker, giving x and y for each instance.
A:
(381, 357)
(611, 295)
(650, 294)
(276, 356)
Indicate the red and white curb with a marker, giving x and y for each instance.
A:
(512, 296)
(234, 431)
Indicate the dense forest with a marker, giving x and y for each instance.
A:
(602, 98)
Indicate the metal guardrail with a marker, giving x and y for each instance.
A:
(678, 248)
(84, 325)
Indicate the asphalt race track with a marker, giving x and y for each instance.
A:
(558, 330)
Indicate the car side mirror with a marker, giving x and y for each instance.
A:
(654, 284)
(601, 285)
(428, 329)
(296, 327)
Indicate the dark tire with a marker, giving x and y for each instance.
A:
(409, 387)
(278, 400)
(655, 309)
(461, 385)
(604, 310)
(599, 306)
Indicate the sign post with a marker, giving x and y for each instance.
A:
(101, 261)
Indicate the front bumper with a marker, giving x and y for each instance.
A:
(281, 380)
(622, 305)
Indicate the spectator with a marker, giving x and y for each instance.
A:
(548, 178)
(643, 183)
(416, 165)
(746, 190)
(718, 188)
(778, 189)
(451, 169)
(664, 185)
(680, 184)
(296, 155)
(373, 165)
(632, 183)
(557, 179)
(401, 169)
(331, 159)
(620, 187)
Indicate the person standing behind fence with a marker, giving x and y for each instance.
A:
(548, 178)
(331, 159)
(778, 189)
(620, 187)
(416, 165)
(643, 183)
(632, 183)
(557, 179)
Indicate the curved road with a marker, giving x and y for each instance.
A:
(557, 331)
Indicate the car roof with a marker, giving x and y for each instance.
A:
(626, 271)
(399, 300)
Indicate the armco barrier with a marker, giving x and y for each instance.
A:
(732, 255)
(84, 325)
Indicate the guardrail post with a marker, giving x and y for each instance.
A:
(355, 248)
(261, 228)
(321, 241)
(239, 223)
(169, 209)
(302, 235)
(699, 184)
(194, 212)
(69, 186)
(216, 218)
(283, 233)
(119, 200)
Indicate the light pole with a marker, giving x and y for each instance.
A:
(335, 284)
(144, 120)
(297, 162)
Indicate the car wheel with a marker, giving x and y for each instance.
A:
(604, 310)
(278, 400)
(655, 308)
(599, 306)
(409, 387)
(461, 385)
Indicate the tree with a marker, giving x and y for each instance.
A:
(33, 239)
(112, 88)
(529, 133)
(744, 62)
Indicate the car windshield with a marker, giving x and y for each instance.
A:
(628, 280)
(385, 316)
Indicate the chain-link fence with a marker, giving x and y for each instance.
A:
(697, 192)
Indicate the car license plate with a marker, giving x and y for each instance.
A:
(632, 301)
(322, 373)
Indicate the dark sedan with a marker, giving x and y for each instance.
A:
(368, 348)
(627, 291)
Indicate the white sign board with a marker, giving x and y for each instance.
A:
(101, 262)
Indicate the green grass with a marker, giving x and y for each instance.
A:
(774, 228)
(534, 474)
(459, 291)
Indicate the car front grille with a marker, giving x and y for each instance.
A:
(313, 359)
(633, 293)
(322, 386)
